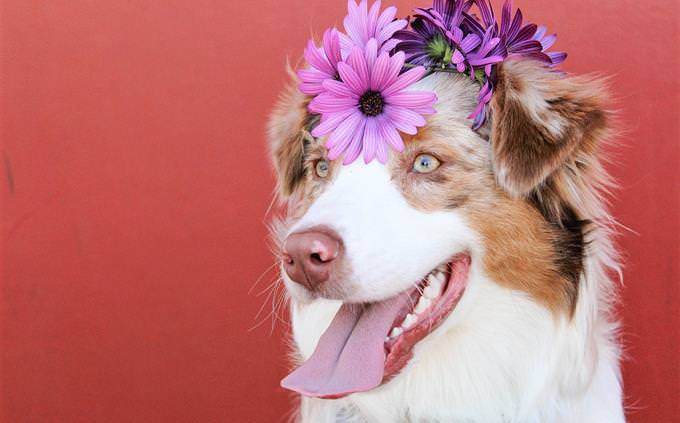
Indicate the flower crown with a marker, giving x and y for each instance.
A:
(359, 79)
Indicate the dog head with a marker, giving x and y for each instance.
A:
(445, 229)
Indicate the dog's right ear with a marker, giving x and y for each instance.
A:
(546, 127)
(286, 137)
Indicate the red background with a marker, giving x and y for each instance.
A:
(135, 184)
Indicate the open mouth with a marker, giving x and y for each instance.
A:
(365, 345)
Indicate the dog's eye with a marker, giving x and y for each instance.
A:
(321, 168)
(425, 163)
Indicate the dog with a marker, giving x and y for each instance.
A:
(471, 278)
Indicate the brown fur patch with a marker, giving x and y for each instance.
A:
(522, 250)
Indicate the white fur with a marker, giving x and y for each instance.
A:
(499, 356)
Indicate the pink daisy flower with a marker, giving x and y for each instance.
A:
(365, 110)
(323, 63)
(362, 24)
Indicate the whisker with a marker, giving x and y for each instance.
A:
(262, 275)
(264, 303)
(271, 285)
(277, 307)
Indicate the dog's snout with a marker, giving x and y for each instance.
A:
(309, 257)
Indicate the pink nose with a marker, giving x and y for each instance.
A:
(308, 257)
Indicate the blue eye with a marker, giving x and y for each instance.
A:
(425, 163)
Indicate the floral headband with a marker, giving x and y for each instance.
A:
(359, 78)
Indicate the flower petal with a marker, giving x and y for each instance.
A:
(346, 45)
(548, 41)
(406, 35)
(372, 21)
(350, 77)
(317, 59)
(311, 88)
(379, 71)
(390, 134)
(486, 60)
(312, 75)
(353, 33)
(387, 16)
(389, 45)
(526, 33)
(486, 10)
(339, 89)
(330, 121)
(389, 30)
(371, 140)
(327, 103)
(540, 32)
(358, 63)
(557, 57)
(526, 47)
(331, 46)
(342, 135)
(512, 32)
(410, 99)
(354, 149)
(371, 54)
(404, 119)
(470, 42)
(506, 15)
(404, 81)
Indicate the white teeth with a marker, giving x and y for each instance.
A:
(433, 289)
(431, 280)
(422, 305)
(396, 332)
(409, 321)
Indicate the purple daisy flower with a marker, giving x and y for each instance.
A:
(441, 37)
(448, 36)
(424, 44)
(323, 63)
(366, 109)
(437, 38)
(556, 57)
(362, 25)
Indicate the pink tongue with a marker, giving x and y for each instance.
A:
(350, 356)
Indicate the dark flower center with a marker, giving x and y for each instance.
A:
(371, 103)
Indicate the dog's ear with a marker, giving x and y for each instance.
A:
(543, 124)
(286, 137)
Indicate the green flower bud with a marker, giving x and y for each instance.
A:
(439, 50)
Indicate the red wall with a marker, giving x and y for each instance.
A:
(135, 182)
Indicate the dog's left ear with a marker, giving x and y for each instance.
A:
(543, 123)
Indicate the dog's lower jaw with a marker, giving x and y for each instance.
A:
(511, 361)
